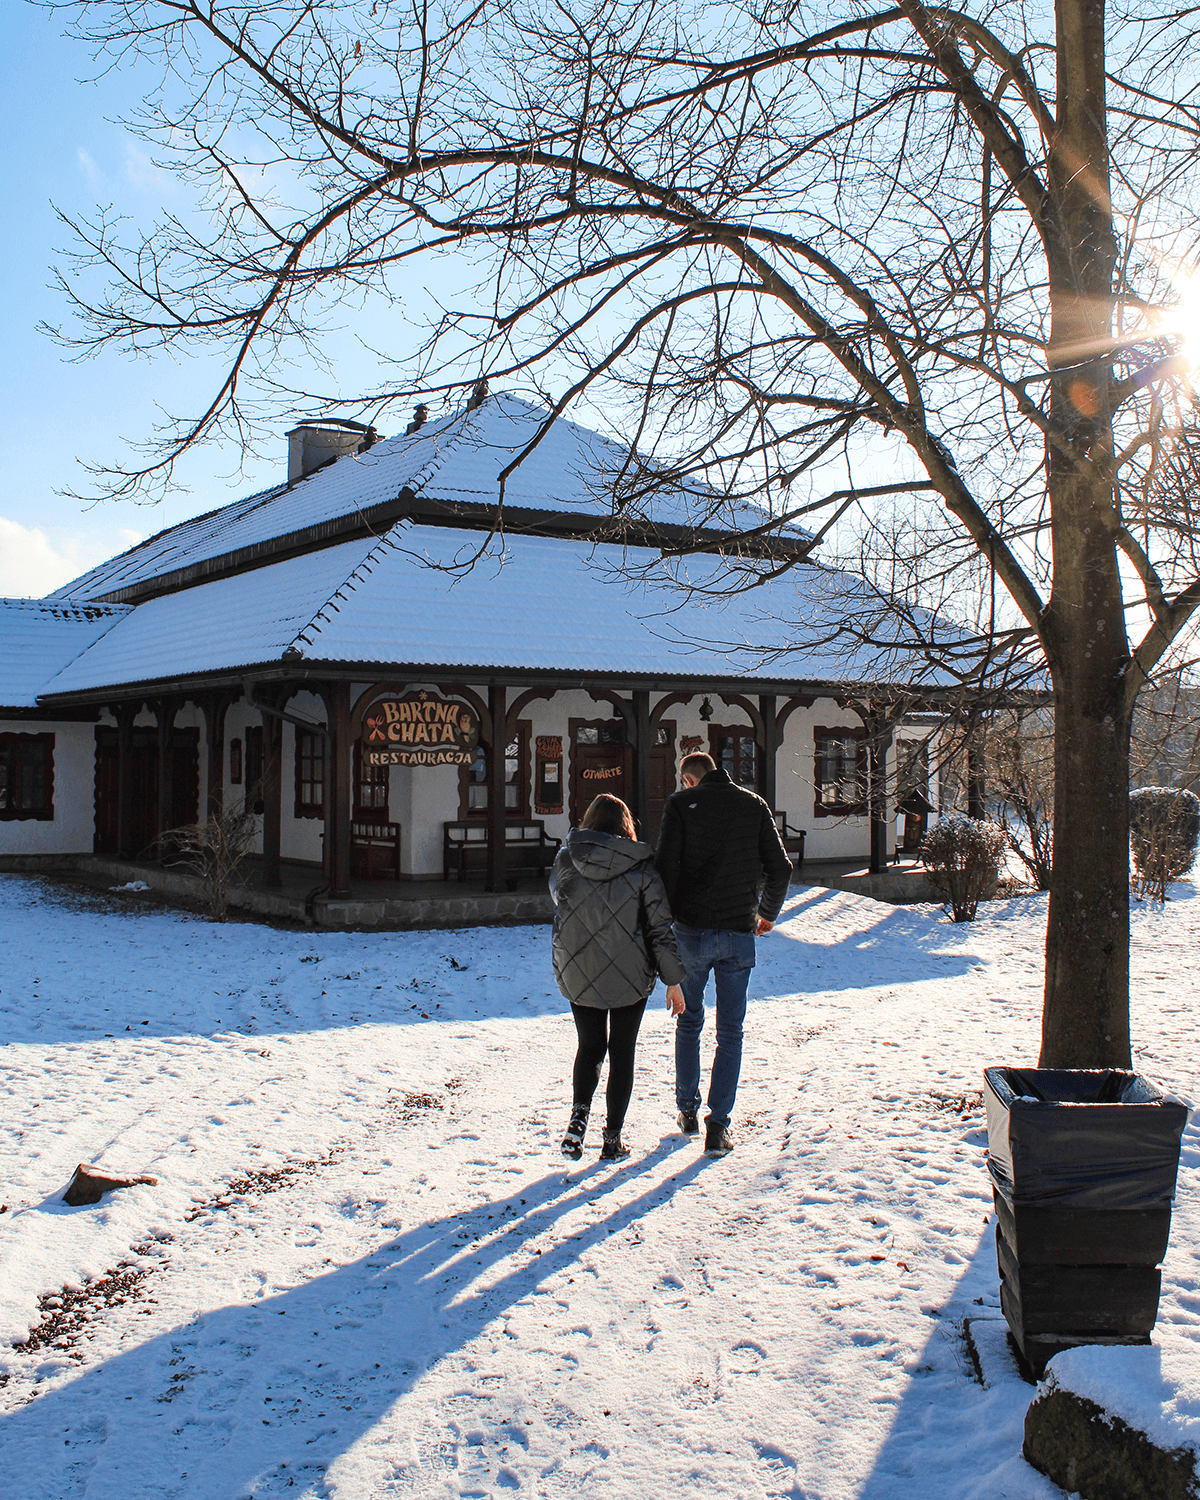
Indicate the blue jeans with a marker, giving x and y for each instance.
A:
(729, 957)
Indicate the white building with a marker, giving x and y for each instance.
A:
(339, 654)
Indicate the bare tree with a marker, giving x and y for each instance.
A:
(809, 258)
(1166, 732)
(1020, 779)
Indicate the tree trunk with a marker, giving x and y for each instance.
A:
(1085, 1020)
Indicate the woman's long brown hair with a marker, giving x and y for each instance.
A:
(608, 814)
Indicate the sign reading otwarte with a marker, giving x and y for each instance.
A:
(419, 729)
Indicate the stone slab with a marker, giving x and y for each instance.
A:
(1094, 1454)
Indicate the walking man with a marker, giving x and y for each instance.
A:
(726, 874)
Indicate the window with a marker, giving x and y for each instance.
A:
(473, 786)
(310, 774)
(610, 733)
(735, 751)
(235, 762)
(370, 788)
(27, 776)
(548, 780)
(840, 771)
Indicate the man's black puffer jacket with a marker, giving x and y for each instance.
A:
(610, 916)
(720, 856)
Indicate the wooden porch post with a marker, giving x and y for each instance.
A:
(976, 776)
(641, 761)
(337, 817)
(766, 710)
(125, 715)
(272, 795)
(497, 853)
(879, 739)
(165, 710)
(216, 706)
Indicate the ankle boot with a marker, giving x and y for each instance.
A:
(614, 1149)
(572, 1141)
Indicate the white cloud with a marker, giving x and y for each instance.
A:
(95, 177)
(141, 170)
(33, 562)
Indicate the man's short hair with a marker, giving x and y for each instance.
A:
(697, 765)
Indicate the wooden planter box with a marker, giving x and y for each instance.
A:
(1083, 1166)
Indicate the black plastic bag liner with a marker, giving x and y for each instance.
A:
(1084, 1138)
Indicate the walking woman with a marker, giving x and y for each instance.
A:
(612, 937)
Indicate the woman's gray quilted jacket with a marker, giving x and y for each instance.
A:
(612, 924)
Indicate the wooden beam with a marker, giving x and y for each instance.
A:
(770, 747)
(337, 817)
(879, 741)
(216, 706)
(272, 795)
(641, 761)
(165, 710)
(976, 776)
(125, 715)
(497, 851)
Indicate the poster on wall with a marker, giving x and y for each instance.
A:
(419, 729)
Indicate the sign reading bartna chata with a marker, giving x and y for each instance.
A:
(419, 729)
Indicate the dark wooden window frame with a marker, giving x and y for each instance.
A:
(741, 732)
(522, 736)
(235, 762)
(44, 813)
(373, 812)
(550, 787)
(858, 807)
(310, 746)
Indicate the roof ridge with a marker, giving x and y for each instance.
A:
(88, 608)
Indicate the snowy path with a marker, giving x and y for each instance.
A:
(427, 1303)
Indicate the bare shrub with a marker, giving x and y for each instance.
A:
(1164, 832)
(963, 856)
(214, 850)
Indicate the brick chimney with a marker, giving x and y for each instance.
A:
(314, 444)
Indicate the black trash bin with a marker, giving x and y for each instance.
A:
(1083, 1166)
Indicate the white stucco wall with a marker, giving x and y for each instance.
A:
(72, 829)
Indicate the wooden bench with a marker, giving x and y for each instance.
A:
(529, 849)
(793, 839)
(375, 851)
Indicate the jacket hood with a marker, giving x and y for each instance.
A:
(603, 856)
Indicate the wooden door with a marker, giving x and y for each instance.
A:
(183, 768)
(143, 807)
(104, 840)
(601, 761)
(143, 799)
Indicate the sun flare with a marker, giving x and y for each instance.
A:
(1183, 320)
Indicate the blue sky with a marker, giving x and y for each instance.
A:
(62, 147)
(65, 148)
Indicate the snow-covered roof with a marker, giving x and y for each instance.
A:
(457, 460)
(39, 637)
(554, 604)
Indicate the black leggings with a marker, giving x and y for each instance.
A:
(614, 1032)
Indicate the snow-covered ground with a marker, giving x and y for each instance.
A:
(366, 1272)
